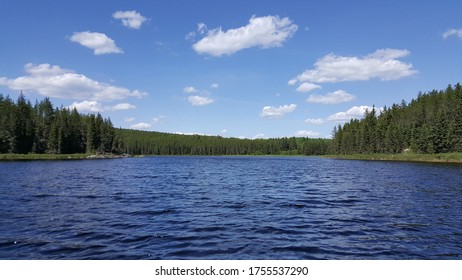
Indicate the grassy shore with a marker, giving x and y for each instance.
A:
(42, 156)
(14, 157)
(446, 157)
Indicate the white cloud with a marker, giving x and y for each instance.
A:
(121, 106)
(158, 119)
(305, 87)
(453, 32)
(199, 100)
(190, 90)
(224, 131)
(264, 32)
(87, 106)
(95, 106)
(355, 112)
(214, 86)
(277, 112)
(98, 42)
(56, 82)
(259, 136)
(292, 82)
(141, 126)
(335, 97)
(315, 121)
(190, 36)
(201, 28)
(306, 133)
(131, 119)
(383, 64)
(130, 19)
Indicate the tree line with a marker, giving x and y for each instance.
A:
(41, 128)
(159, 143)
(431, 123)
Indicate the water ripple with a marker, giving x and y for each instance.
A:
(229, 208)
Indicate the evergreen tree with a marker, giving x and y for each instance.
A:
(432, 123)
(7, 114)
(24, 127)
(440, 133)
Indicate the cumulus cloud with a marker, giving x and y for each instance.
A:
(383, 64)
(355, 112)
(315, 121)
(264, 32)
(306, 133)
(141, 126)
(335, 97)
(95, 106)
(190, 90)
(196, 100)
(98, 42)
(214, 86)
(305, 87)
(453, 32)
(130, 19)
(277, 112)
(56, 82)
(121, 106)
(87, 106)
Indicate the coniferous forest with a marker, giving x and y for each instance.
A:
(429, 124)
(158, 143)
(41, 128)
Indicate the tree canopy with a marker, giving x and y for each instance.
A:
(43, 129)
(431, 123)
(158, 143)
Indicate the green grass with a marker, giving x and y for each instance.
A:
(42, 156)
(446, 157)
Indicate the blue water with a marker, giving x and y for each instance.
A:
(229, 208)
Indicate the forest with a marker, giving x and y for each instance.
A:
(40, 129)
(158, 143)
(429, 124)
(43, 129)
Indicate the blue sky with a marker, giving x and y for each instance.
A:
(231, 68)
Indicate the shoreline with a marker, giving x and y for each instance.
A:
(428, 158)
(31, 157)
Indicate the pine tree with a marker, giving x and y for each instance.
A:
(7, 112)
(440, 133)
(24, 128)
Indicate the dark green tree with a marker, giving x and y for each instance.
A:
(24, 127)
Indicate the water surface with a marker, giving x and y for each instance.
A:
(230, 208)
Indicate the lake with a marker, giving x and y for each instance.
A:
(230, 208)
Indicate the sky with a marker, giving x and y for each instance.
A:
(249, 69)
